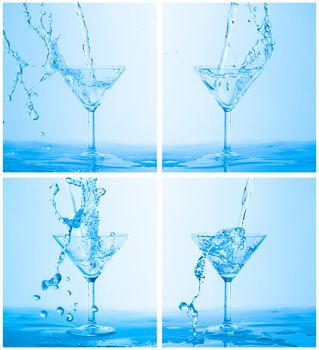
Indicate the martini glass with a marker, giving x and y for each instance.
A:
(89, 86)
(228, 85)
(228, 263)
(90, 257)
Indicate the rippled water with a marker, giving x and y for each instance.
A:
(259, 328)
(46, 157)
(268, 157)
(25, 328)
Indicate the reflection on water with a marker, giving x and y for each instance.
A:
(45, 157)
(24, 328)
(270, 157)
(262, 328)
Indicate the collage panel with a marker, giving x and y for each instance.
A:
(239, 87)
(239, 267)
(79, 87)
(75, 262)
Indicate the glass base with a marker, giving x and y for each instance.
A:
(93, 155)
(92, 330)
(224, 328)
(228, 155)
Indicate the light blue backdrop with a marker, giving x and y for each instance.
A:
(121, 34)
(30, 252)
(281, 272)
(280, 105)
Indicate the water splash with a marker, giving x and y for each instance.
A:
(86, 47)
(220, 247)
(86, 218)
(54, 60)
(190, 309)
(261, 51)
(245, 200)
(231, 17)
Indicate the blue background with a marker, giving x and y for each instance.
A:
(281, 273)
(279, 106)
(121, 34)
(30, 252)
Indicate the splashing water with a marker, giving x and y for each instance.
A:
(54, 60)
(190, 309)
(261, 51)
(86, 218)
(232, 13)
(86, 47)
(220, 247)
(245, 200)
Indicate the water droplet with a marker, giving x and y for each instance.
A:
(67, 278)
(34, 115)
(42, 133)
(76, 304)
(43, 314)
(69, 317)
(69, 293)
(48, 147)
(36, 297)
(74, 310)
(60, 310)
(94, 308)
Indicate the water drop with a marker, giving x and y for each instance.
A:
(60, 310)
(43, 314)
(36, 297)
(34, 115)
(48, 147)
(67, 278)
(76, 304)
(69, 293)
(74, 310)
(94, 308)
(69, 317)
(42, 133)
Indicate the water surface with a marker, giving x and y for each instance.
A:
(25, 328)
(263, 157)
(277, 327)
(49, 157)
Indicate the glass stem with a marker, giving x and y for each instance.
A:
(227, 125)
(227, 307)
(91, 131)
(91, 301)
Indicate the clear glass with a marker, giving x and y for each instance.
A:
(228, 86)
(228, 269)
(78, 250)
(89, 87)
